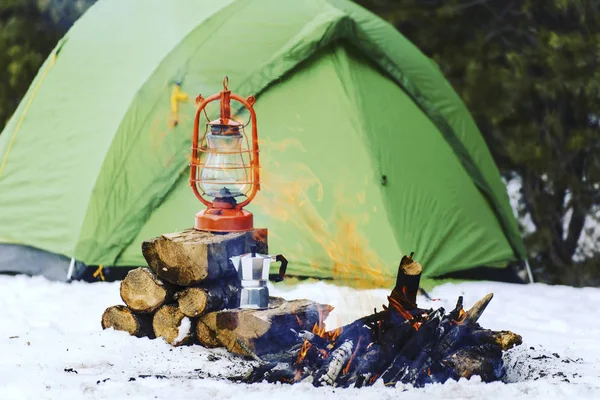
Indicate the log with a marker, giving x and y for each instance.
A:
(174, 327)
(504, 339)
(122, 318)
(206, 337)
(195, 301)
(484, 360)
(189, 257)
(260, 332)
(143, 292)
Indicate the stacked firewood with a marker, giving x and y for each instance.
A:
(189, 293)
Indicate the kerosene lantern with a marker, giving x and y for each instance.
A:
(224, 171)
(224, 175)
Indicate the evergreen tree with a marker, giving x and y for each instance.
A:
(29, 30)
(528, 71)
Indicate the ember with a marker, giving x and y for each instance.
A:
(402, 343)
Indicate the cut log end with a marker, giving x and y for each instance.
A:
(122, 318)
(172, 325)
(507, 339)
(410, 267)
(192, 301)
(143, 292)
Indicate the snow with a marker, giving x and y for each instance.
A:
(185, 328)
(52, 346)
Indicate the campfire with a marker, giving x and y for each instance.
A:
(191, 293)
(289, 340)
(400, 344)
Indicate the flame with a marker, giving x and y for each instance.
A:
(405, 314)
(298, 375)
(296, 200)
(323, 353)
(296, 315)
(347, 367)
(334, 334)
(462, 316)
(303, 351)
(373, 379)
(398, 307)
(320, 330)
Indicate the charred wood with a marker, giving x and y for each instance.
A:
(407, 282)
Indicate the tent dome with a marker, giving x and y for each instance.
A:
(367, 153)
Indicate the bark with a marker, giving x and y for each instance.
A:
(214, 296)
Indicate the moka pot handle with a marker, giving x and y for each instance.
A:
(282, 268)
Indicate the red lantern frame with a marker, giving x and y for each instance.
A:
(225, 215)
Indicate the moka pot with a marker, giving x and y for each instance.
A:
(253, 271)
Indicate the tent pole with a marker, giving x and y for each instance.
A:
(70, 270)
(529, 274)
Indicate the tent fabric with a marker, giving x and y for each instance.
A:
(367, 153)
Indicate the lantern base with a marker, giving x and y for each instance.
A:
(224, 220)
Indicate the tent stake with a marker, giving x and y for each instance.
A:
(71, 268)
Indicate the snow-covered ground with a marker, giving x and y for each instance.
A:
(52, 346)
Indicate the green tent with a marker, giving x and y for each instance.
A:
(367, 153)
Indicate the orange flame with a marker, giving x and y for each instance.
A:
(373, 379)
(347, 367)
(462, 316)
(323, 353)
(402, 311)
(298, 375)
(319, 328)
(334, 334)
(328, 240)
(398, 307)
(296, 315)
(303, 351)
